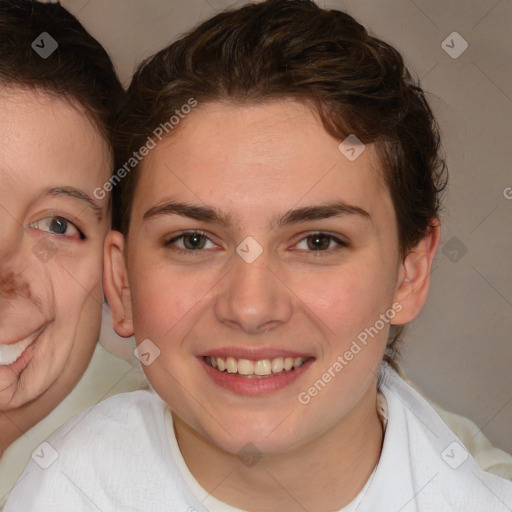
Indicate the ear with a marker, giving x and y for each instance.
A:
(116, 285)
(414, 275)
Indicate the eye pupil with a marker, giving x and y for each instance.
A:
(59, 225)
(318, 242)
(194, 241)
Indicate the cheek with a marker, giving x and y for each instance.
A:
(162, 296)
(78, 292)
(69, 340)
(349, 297)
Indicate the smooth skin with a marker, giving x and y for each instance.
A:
(252, 165)
(51, 159)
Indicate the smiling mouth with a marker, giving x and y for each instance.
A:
(262, 368)
(9, 354)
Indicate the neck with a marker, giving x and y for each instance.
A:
(13, 424)
(325, 474)
(9, 431)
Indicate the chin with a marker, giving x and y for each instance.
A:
(262, 438)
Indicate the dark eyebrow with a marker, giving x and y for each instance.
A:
(324, 211)
(81, 196)
(196, 212)
(304, 214)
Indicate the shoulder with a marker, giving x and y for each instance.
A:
(136, 417)
(114, 456)
(118, 411)
(423, 452)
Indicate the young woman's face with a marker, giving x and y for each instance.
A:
(254, 237)
(51, 243)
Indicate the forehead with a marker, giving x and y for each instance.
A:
(255, 158)
(48, 139)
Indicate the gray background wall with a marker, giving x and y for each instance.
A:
(459, 350)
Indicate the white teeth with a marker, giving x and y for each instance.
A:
(11, 353)
(245, 367)
(231, 365)
(261, 367)
(277, 365)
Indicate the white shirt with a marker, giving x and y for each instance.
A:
(120, 456)
(213, 504)
(106, 375)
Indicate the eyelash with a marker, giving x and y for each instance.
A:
(60, 219)
(317, 253)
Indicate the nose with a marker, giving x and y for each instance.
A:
(14, 288)
(20, 270)
(253, 298)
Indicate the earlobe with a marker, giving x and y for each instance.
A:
(414, 275)
(115, 284)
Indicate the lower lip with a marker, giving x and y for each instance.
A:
(254, 386)
(21, 363)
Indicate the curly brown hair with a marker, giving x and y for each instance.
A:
(294, 49)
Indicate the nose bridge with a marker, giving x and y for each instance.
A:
(252, 279)
(252, 297)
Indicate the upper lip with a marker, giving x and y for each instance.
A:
(33, 334)
(254, 353)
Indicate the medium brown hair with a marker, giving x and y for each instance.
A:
(79, 70)
(294, 49)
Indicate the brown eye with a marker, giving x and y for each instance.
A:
(194, 241)
(190, 241)
(318, 242)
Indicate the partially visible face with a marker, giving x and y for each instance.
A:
(234, 181)
(51, 244)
